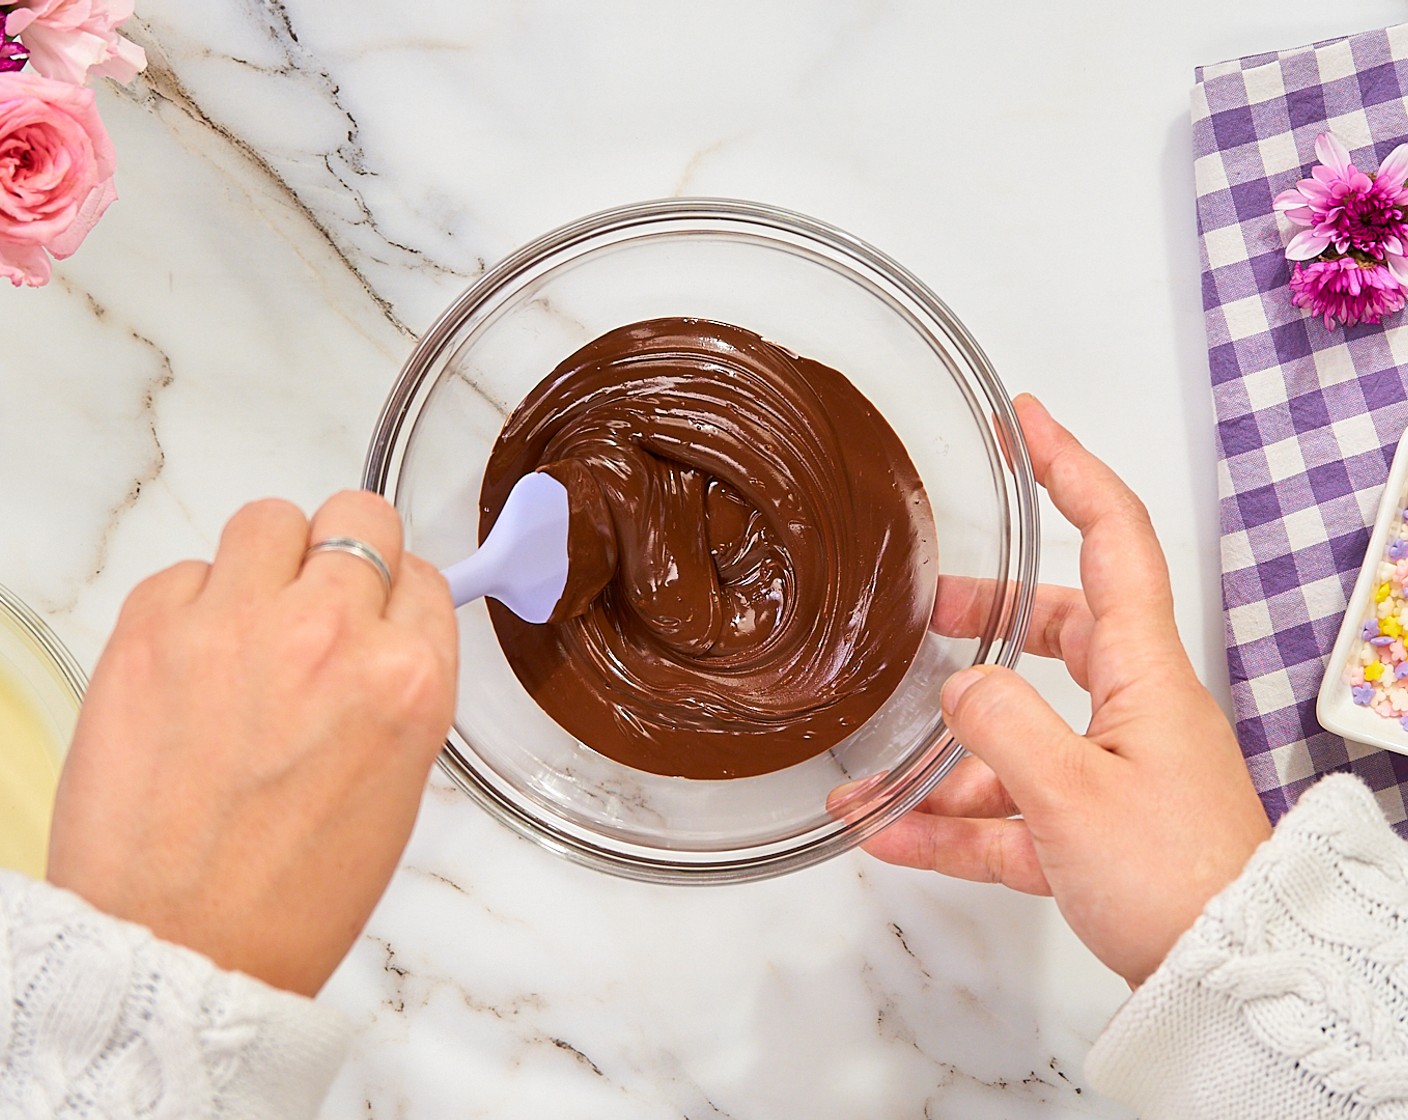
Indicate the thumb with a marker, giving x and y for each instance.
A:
(1002, 720)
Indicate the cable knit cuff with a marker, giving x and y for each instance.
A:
(1289, 996)
(100, 1018)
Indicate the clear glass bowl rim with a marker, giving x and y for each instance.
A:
(1021, 576)
(37, 632)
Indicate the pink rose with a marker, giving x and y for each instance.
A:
(70, 39)
(56, 168)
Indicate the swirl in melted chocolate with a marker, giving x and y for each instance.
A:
(761, 543)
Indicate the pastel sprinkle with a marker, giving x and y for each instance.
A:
(1377, 672)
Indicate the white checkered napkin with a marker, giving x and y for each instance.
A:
(1307, 418)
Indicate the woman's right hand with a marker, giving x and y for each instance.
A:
(252, 750)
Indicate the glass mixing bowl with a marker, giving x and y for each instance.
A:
(825, 295)
(41, 688)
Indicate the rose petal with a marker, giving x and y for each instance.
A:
(124, 63)
(24, 264)
(70, 40)
(16, 20)
(99, 199)
(62, 54)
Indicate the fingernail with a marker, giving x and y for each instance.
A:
(848, 790)
(956, 686)
(1038, 405)
(848, 800)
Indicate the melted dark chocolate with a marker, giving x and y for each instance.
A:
(765, 539)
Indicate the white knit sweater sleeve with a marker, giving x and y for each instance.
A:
(1289, 996)
(99, 1018)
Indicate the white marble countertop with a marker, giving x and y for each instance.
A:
(304, 186)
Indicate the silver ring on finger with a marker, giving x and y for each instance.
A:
(360, 549)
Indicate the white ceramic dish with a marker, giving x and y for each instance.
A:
(1334, 707)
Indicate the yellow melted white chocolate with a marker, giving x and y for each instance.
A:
(29, 775)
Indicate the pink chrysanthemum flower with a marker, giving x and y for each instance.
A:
(1346, 289)
(13, 55)
(1345, 209)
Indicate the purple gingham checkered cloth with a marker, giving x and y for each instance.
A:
(1307, 418)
